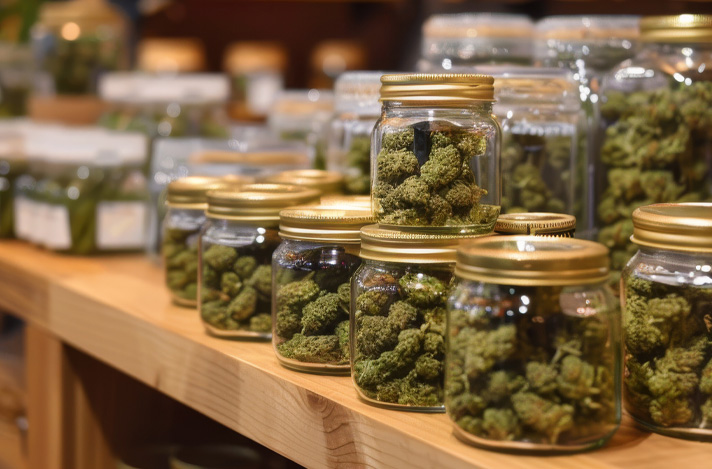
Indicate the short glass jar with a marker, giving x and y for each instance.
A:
(186, 201)
(349, 143)
(556, 225)
(326, 182)
(435, 154)
(453, 43)
(398, 299)
(235, 262)
(666, 293)
(312, 286)
(533, 341)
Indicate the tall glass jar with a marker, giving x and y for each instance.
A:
(13, 164)
(398, 298)
(667, 299)
(312, 286)
(16, 76)
(326, 182)
(349, 143)
(533, 345)
(556, 225)
(235, 262)
(656, 144)
(453, 43)
(75, 42)
(435, 154)
(186, 201)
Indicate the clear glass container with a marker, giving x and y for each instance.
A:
(235, 262)
(16, 76)
(326, 182)
(435, 154)
(656, 144)
(13, 164)
(557, 225)
(186, 201)
(349, 143)
(666, 293)
(312, 286)
(533, 345)
(75, 42)
(453, 43)
(398, 298)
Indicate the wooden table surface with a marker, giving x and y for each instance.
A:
(117, 310)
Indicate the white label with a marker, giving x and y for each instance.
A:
(22, 217)
(55, 221)
(121, 225)
(261, 91)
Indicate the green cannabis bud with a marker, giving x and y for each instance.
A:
(399, 337)
(424, 178)
(520, 368)
(180, 255)
(668, 379)
(357, 179)
(236, 286)
(312, 304)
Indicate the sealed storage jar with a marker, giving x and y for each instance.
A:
(326, 182)
(349, 143)
(186, 201)
(557, 225)
(667, 301)
(533, 341)
(655, 147)
(453, 43)
(435, 153)
(13, 164)
(312, 286)
(398, 298)
(235, 262)
(16, 76)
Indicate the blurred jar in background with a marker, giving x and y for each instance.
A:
(15, 79)
(256, 72)
(170, 55)
(329, 59)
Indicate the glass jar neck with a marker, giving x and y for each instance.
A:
(395, 108)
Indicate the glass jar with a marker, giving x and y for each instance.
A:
(75, 42)
(455, 42)
(436, 153)
(398, 297)
(256, 72)
(16, 76)
(312, 286)
(557, 225)
(326, 182)
(349, 142)
(655, 146)
(186, 201)
(235, 262)
(13, 164)
(533, 341)
(667, 298)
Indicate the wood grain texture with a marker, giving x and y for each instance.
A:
(126, 320)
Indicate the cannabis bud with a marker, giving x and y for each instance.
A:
(180, 254)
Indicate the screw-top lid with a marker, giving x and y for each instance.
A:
(477, 25)
(588, 28)
(532, 261)
(678, 227)
(82, 13)
(536, 223)
(358, 92)
(326, 182)
(255, 56)
(171, 55)
(324, 223)
(347, 201)
(257, 202)
(192, 191)
(443, 88)
(409, 247)
(676, 28)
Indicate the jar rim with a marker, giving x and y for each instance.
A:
(674, 226)
(192, 191)
(676, 28)
(441, 88)
(326, 182)
(257, 202)
(536, 223)
(324, 223)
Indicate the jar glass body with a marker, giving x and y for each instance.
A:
(25, 200)
(16, 75)
(311, 301)
(252, 93)
(459, 54)
(181, 233)
(533, 368)
(666, 297)
(235, 277)
(437, 169)
(349, 150)
(10, 170)
(656, 138)
(88, 209)
(397, 333)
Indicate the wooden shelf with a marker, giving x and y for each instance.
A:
(116, 309)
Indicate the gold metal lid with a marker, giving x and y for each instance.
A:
(171, 55)
(678, 227)
(327, 182)
(408, 247)
(255, 56)
(192, 191)
(257, 202)
(532, 261)
(536, 223)
(443, 88)
(324, 223)
(81, 14)
(346, 201)
(676, 28)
